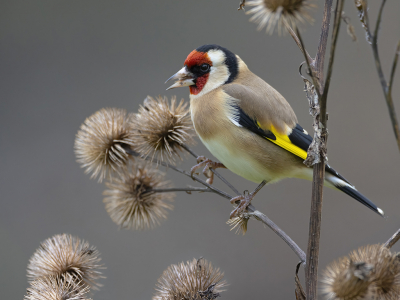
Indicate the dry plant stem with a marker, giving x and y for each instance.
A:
(319, 168)
(323, 41)
(394, 65)
(387, 88)
(316, 68)
(393, 240)
(191, 152)
(185, 189)
(257, 214)
(298, 42)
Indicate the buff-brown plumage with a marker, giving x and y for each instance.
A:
(248, 125)
(259, 158)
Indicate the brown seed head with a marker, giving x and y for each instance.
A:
(195, 280)
(68, 257)
(99, 144)
(240, 223)
(56, 288)
(277, 13)
(346, 280)
(385, 277)
(161, 128)
(130, 201)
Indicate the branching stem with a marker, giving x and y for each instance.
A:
(387, 88)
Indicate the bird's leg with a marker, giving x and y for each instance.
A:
(207, 164)
(245, 200)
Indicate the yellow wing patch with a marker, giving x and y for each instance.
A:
(283, 141)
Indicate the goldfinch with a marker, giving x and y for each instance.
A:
(248, 125)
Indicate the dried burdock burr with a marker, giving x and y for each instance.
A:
(161, 128)
(131, 200)
(370, 272)
(56, 288)
(68, 257)
(100, 142)
(240, 223)
(346, 280)
(193, 280)
(385, 277)
(273, 14)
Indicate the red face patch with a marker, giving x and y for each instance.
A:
(196, 58)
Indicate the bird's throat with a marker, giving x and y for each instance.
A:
(200, 83)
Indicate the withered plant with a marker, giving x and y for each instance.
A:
(127, 149)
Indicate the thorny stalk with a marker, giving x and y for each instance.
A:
(252, 210)
(393, 240)
(373, 40)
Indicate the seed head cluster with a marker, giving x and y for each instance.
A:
(67, 257)
(131, 200)
(56, 288)
(100, 142)
(193, 280)
(161, 128)
(370, 272)
(273, 14)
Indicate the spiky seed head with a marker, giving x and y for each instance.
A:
(346, 280)
(385, 277)
(56, 288)
(68, 257)
(195, 280)
(240, 223)
(273, 14)
(131, 201)
(162, 127)
(100, 142)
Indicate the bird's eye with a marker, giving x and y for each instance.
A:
(205, 67)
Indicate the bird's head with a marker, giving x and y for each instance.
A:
(205, 69)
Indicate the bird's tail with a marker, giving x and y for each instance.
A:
(346, 187)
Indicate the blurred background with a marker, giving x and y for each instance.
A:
(61, 61)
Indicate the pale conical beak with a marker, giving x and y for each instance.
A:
(183, 77)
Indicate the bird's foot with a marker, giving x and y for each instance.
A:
(245, 201)
(207, 164)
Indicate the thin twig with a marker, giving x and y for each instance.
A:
(378, 22)
(323, 42)
(387, 88)
(296, 249)
(184, 189)
(394, 65)
(298, 42)
(258, 215)
(194, 154)
(393, 240)
(311, 69)
(335, 34)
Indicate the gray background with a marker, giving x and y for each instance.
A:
(60, 61)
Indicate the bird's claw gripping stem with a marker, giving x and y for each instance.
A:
(207, 164)
(245, 201)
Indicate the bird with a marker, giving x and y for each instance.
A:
(248, 125)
